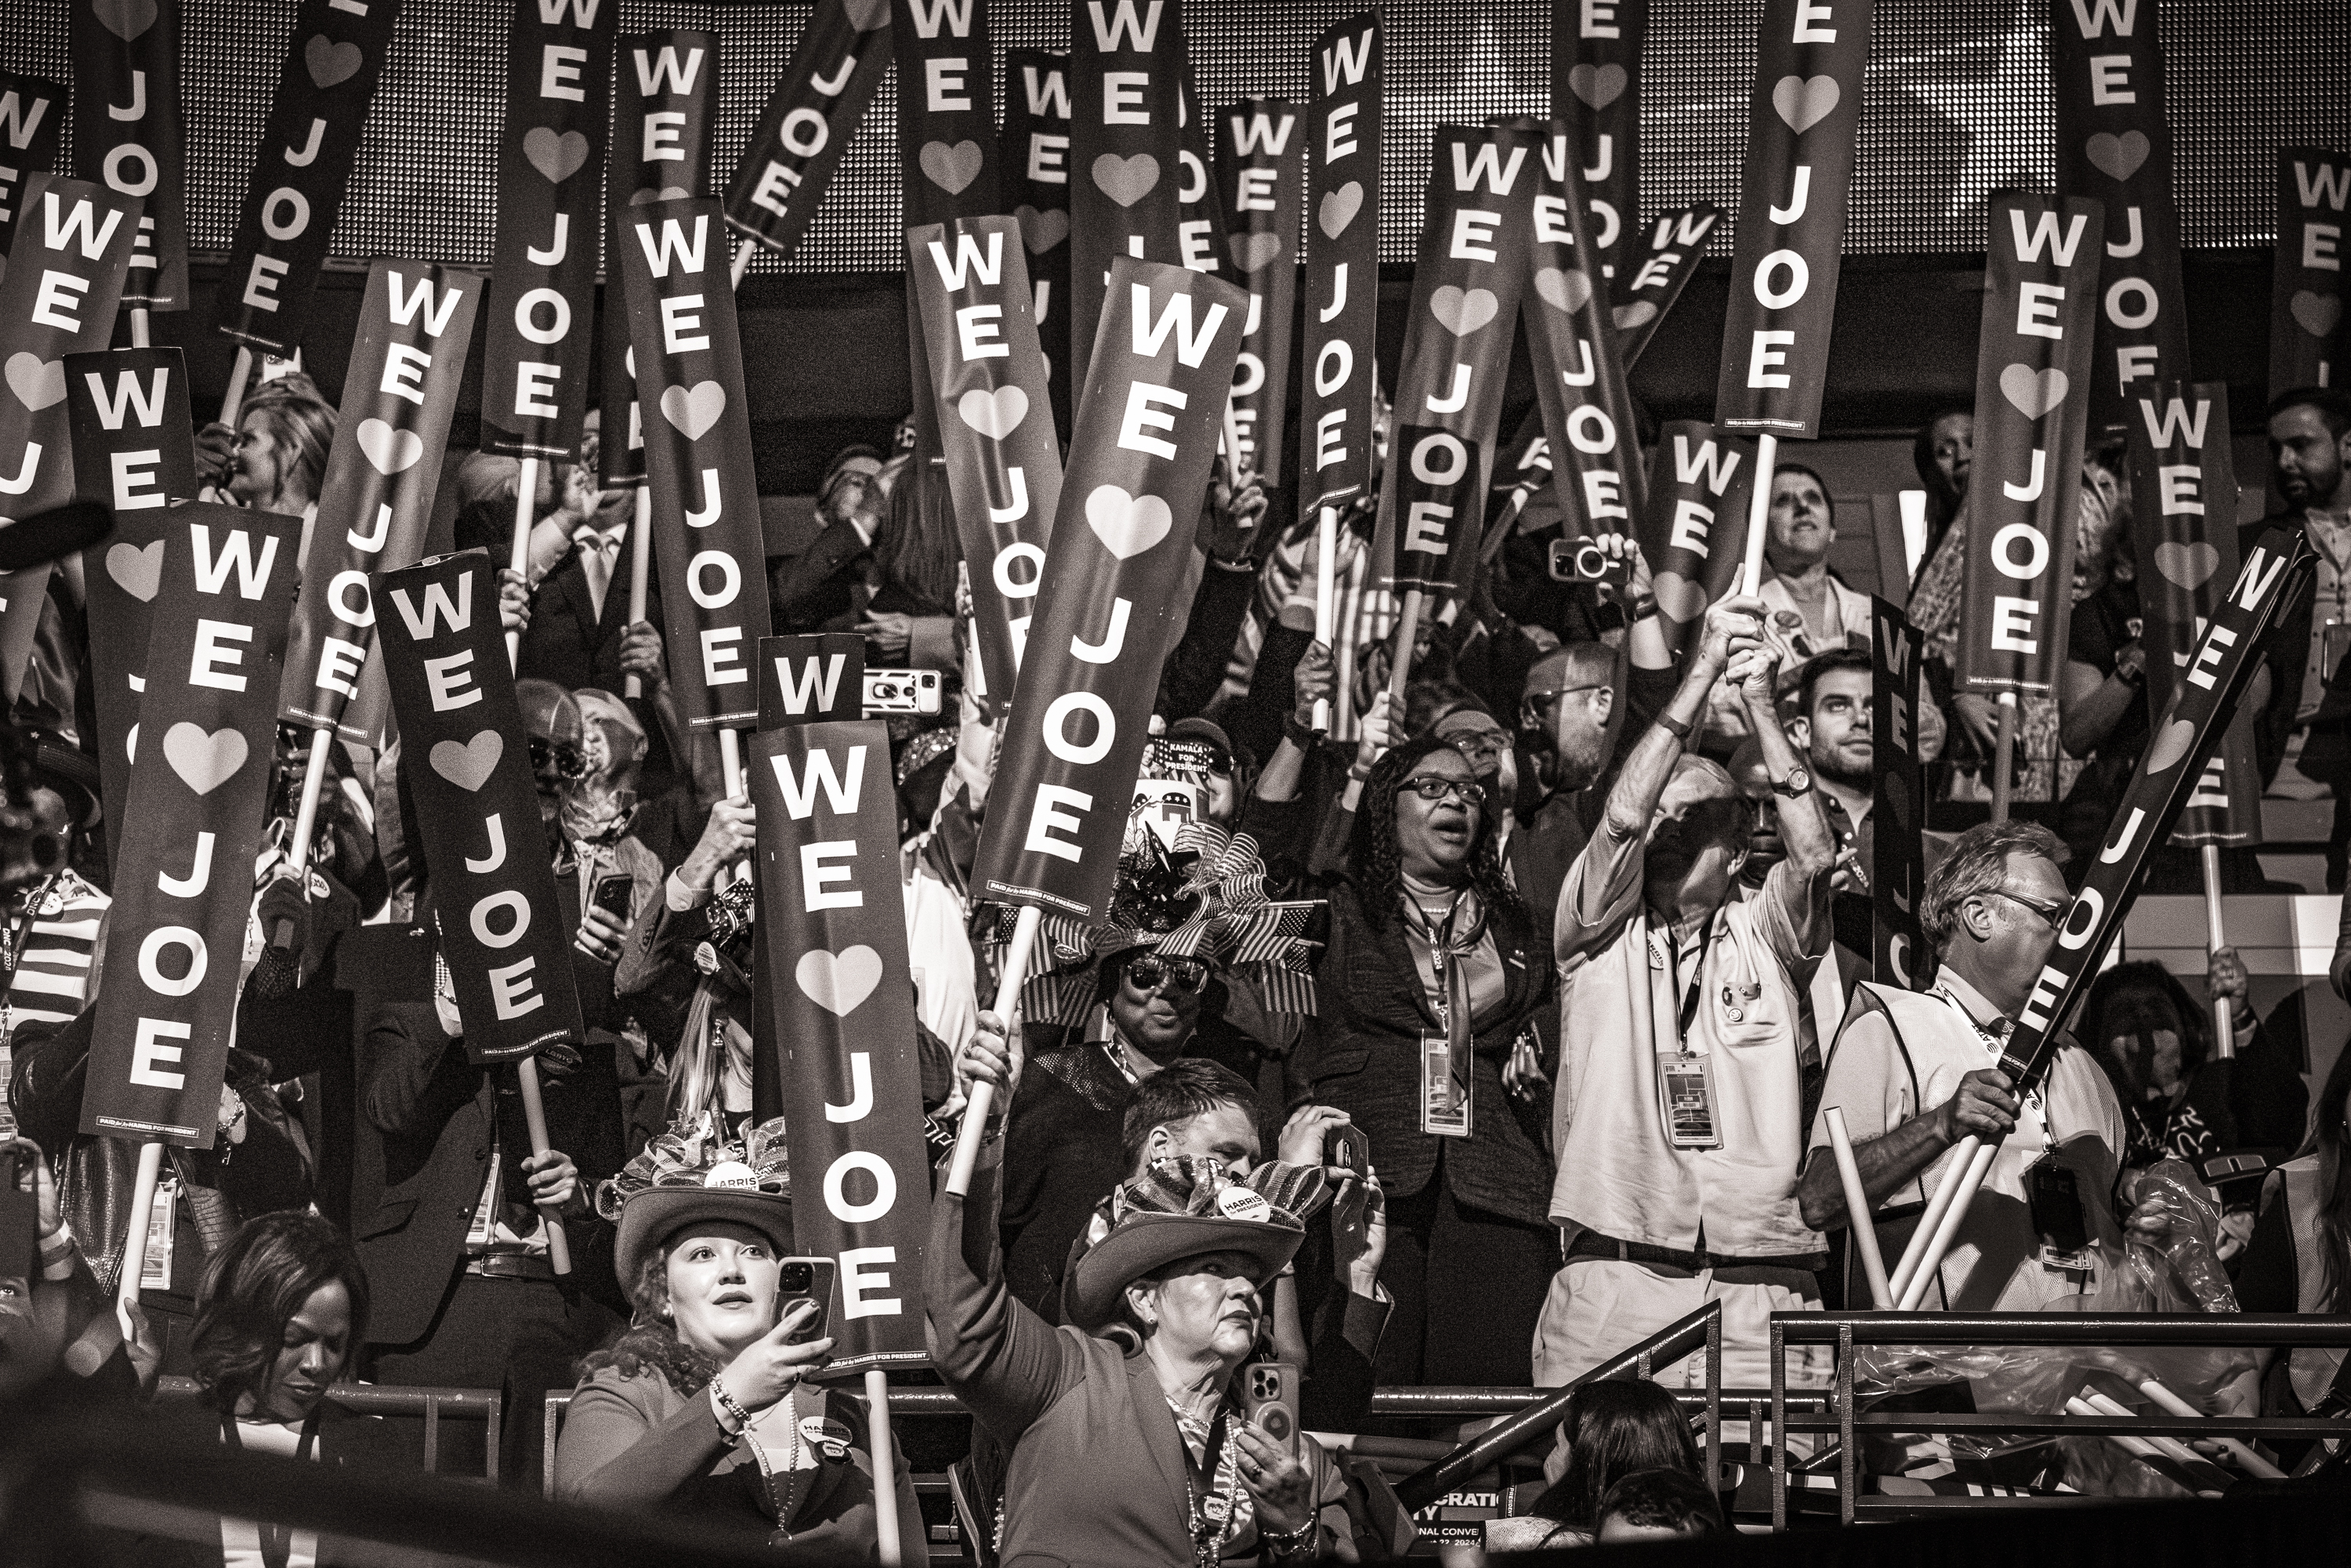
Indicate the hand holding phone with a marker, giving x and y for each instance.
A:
(807, 1280)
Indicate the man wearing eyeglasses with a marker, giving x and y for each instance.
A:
(1571, 694)
(1915, 1073)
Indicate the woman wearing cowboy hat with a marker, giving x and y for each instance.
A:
(702, 1407)
(1125, 1427)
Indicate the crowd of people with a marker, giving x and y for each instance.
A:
(1588, 955)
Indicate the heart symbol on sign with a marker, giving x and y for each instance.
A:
(1127, 525)
(2170, 745)
(391, 451)
(993, 414)
(330, 62)
(2318, 313)
(1802, 103)
(126, 19)
(1251, 252)
(1126, 180)
(1678, 597)
(203, 762)
(692, 413)
(1041, 230)
(950, 168)
(137, 570)
(838, 982)
(666, 193)
(1565, 292)
(2118, 157)
(37, 382)
(1463, 311)
(1628, 316)
(2033, 394)
(1339, 209)
(867, 14)
(468, 765)
(1598, 86)
(556, 158)
(2190, 566)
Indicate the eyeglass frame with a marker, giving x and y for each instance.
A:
(1166, 973)
(540, 750)
(1536, 702)
(1473, 794)
(2052, 917)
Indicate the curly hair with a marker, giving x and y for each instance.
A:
(1376, 859)
(255, 1285)
(650, 1347)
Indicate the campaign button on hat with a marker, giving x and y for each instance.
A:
(1240, 1203)
(731, 1173)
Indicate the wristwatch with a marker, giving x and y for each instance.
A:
(2131, 676)
(1797, 782)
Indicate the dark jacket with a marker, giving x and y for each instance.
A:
(567, 642)
(435, 1114)
(1362, 1055)
(363, 1445)
(2287, 656)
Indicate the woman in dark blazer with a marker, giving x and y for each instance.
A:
(1430, 944)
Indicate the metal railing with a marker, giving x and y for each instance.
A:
(1847, 1331)
(484, 1405)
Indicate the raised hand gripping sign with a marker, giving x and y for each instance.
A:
(1260, 168)
(808, 121)
(1110, 608)
(64, 281)
(1004, 466)
(662, 120)
(2033, 401)
(32, 116)
(1701, 481)
(1652, 271)
(2113, 146)
(128, 134)
(1339, 399)
(2309, 346)
(1792, 199)
(711, 555)
(199, 792)
(1126, 65)
(1595, 88)
(1587, 410)
(2184, 514)
(833, 943)
(333, 61)
(1897, 870)
(550, 181)
(1036, 180)
(444, 661)
(416, 322)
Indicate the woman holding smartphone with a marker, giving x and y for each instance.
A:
(703, 1407)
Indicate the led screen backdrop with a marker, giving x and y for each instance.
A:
(1958, 105)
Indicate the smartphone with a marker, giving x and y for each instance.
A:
(1350, 1149)
(1582, 561)
(806, 1280)
(901, 691)
(1269, 1399)
(612, 894)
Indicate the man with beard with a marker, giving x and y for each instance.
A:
(1832, 729)
(453, 1233)
(1571, 694)
(1680, 1122)
(2310, 456)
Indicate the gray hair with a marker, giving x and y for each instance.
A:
(1978, 863)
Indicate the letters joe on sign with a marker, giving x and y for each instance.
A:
(31, 114)
(416, 322)
(1595, 88)
(467, 765)
(1261, 170)
(128, 134)
(708, 548)
(808, 121)
(1110, 609)
(199, 792)
(1339, 396)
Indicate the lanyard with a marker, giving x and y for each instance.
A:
(1209, 1535)
(1439, 937)
(276, 1540)
(1697, 986)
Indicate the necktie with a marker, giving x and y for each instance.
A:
(596, 552)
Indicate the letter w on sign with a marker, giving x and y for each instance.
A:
(841, 1056)
(467, 763)
(199, 792)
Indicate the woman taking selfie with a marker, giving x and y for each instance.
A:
(1126, 1431)
(1433, 958)
(703, 1407)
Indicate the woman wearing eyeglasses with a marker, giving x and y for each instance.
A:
(1435, 970)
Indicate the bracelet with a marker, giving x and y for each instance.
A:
(1359, 773)
(57, 1244)
(1679, 728)
(724, 1404)
(1303, 736)
(1284, 1543)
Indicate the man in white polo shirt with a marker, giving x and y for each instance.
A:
(1679, 1120)
(1914, 1073)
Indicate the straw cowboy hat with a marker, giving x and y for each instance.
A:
(1177, 1210)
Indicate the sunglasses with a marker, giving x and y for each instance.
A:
(1178, 976)
(564, 761)
(1536, 702)
(1481, 743)
(1435, 787)
(2053, 914)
